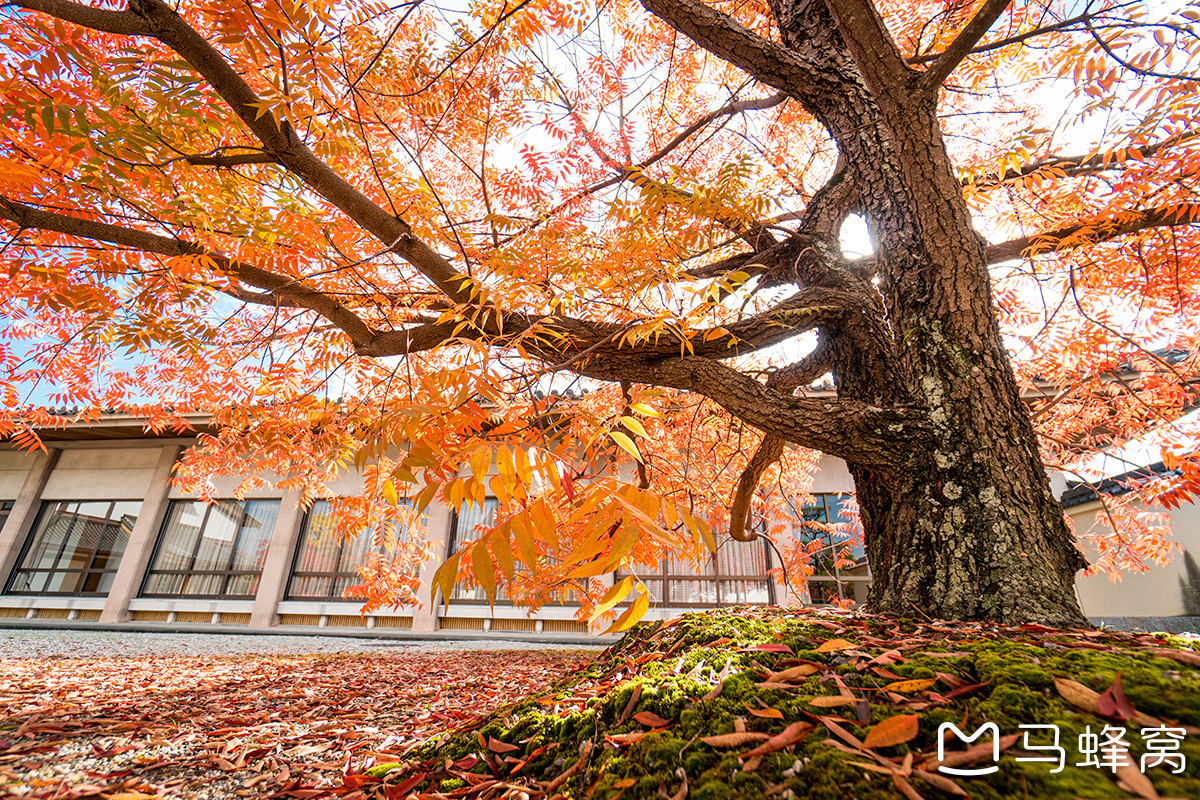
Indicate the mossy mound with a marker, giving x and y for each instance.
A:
(633, 724)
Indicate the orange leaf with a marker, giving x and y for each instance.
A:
(892, 731)
(650, 719)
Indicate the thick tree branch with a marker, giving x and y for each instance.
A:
(878, 438)
(721, 35)
(876, 55)
(768, 452)
(29, 217)
(802, 372)
(962, 45)
(1102, 230)
(159, 20)
(97, 19)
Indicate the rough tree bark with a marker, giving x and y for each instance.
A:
(965, 527)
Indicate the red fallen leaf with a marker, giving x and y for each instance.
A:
(1183, 656)
(650, 719)
(791, 734)
(497, 746)
(1114, 703)
(465, 764)
(961, 690)
(769, 647)
(404, 787)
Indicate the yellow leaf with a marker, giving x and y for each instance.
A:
(481, 462)
(485, 573)
(834, 645)
(910, 686)
(389, 491)
(614, 595)
(637, 609)
(502, 549)
(634, 425)
(443, 579)
(626, 444)
(645, 410)
(524, 537)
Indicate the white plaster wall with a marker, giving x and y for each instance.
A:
(1156, 593)
(118, 473)
(832, 476)
(14, 466)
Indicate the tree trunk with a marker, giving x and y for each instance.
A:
(967, 529)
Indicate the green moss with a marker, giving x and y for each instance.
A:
(379, 770)
(1017, 669)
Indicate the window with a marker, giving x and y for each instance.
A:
(212, 550)
(6, 506)
(75, 547)
(326, 564)
(463, 528)
(840, 569)
(736, 575)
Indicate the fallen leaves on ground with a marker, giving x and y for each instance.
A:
(264, 727)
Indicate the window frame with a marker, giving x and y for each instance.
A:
(229, 573)
(47, 506)
(841, 581)
(715, 577)
(342, 543)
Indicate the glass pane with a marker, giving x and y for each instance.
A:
(319, 548)
(255, 535)
(736, 592)
(54, 528)
(217, 537)
(742, 558)
(470, 516)
(29, 582)
(823, 592)
(203, 584)
(691, 592)
(310, 587)
(242, 585)
(64, 582)
(180, 532)
(163, 584)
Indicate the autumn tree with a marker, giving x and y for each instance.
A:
(503, 249)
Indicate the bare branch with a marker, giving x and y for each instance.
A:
(231, 161)
(1084, 164)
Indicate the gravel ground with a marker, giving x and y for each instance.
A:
(122, 715)
(128, 644)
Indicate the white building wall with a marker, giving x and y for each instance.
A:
(14, 466)
(1157, 592)
(114, 473)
